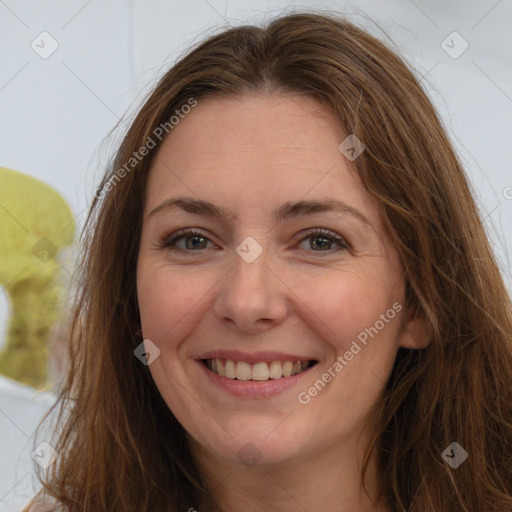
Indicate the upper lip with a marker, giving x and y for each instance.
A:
(254, 357)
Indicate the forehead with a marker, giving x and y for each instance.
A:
(252, 151)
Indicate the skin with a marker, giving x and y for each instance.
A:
(248, 156)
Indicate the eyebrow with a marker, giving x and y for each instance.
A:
(286, 211)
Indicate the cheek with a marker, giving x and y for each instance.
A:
(339, 305)
(169, 300)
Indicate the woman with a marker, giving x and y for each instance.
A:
(289, 301)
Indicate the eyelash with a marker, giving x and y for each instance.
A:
(168, 242)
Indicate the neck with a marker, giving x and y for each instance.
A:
(327, 480)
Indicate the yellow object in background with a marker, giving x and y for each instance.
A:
(35, 224)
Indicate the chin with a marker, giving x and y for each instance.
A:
(255, 444)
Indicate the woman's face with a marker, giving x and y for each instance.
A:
(287, 261)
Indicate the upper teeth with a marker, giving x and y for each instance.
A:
(260, 371)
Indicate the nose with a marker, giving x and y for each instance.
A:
(252, 298)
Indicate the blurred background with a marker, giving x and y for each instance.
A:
(74, 69)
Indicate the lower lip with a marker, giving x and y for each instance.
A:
(252, 388)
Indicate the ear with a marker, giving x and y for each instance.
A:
(415, 333)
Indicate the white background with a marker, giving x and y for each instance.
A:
(56, 112)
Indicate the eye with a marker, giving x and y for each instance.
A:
(321, 240)
(193, 240)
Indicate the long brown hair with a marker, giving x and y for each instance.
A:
(121, 447)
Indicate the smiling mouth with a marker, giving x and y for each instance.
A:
(241, 370)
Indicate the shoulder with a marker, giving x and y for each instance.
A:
(43, 503)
